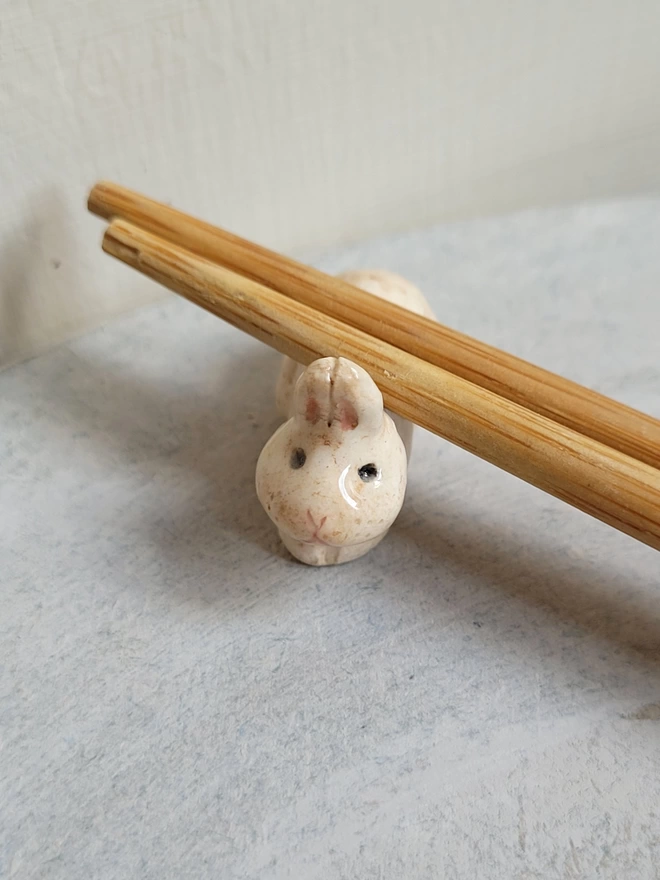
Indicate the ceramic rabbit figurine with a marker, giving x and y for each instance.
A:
(333, 477)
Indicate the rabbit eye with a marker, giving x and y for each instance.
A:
(368, 472)
(298, 458)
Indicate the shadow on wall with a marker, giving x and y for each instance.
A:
(38, 273)
(55, 283)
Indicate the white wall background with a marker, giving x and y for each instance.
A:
(301, 123)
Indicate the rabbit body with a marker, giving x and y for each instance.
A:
(333, 477)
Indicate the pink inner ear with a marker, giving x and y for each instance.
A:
(348, 417)
(312, 410)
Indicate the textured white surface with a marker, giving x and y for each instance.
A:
(302, 123)
(479, 697)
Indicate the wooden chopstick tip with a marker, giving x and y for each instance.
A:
(96, 202)
(115, 244)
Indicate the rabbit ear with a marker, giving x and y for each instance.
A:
(356, 400)
(312, 399)
(336, 393)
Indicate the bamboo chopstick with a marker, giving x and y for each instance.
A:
(545, 393)
(611, 486)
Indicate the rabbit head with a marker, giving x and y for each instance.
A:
(333, 477)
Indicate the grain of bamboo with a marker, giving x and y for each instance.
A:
(543, 392)
(611, 486)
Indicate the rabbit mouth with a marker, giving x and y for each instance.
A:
(316, 538)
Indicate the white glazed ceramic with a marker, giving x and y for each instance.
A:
(333, 477)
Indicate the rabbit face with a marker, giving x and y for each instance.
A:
(334, 475)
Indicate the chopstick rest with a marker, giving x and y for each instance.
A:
(333, 477)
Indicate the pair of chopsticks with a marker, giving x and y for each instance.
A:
(596, 454)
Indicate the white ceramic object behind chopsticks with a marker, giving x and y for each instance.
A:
(333, 477)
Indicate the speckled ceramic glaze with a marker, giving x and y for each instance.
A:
(333, 477)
